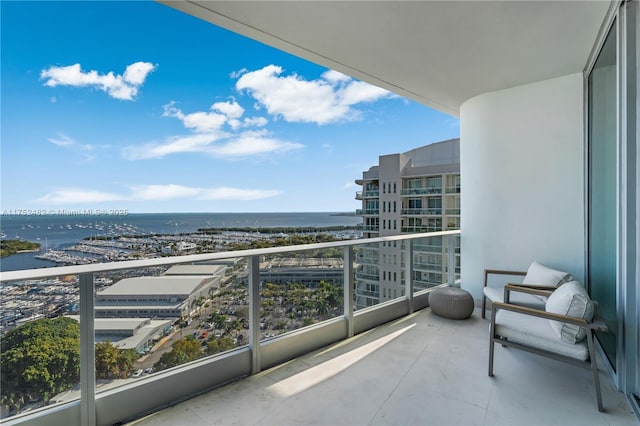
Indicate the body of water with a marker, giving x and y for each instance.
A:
(59, 231)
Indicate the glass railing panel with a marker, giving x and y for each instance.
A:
(422, 211)
(40, 347)
(361, 212)
(367, 290)
(152, 319)
(429, 262)
(212, 317)
(421, 191)
(298, 289)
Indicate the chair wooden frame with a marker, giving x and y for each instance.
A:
(591, 327)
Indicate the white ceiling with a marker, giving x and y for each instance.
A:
(439, 53)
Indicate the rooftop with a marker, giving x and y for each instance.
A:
(162, 285)
(419, 369)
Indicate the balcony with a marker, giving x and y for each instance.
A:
(368, 228)
(417, 370)
(422, 212)
(453, 211)
(420, 228)
(365, 212)
(367, 194)
(453, 189)
(420, 191)
(257, 347)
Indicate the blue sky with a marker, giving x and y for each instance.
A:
(137, 106)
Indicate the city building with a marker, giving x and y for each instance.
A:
(166, 296)
(306, 270)
(416, 191)
(129, 333)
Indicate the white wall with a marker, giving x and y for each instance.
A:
(522, 171)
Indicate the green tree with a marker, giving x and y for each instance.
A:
(113, 363)
(219, 345)
(182, 351)
(39, 360)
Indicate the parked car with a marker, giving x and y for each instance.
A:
(137, 373)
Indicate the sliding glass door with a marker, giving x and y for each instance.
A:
(602, 190)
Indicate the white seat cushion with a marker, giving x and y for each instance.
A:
(536, 332)
(517, 298)
(572, 300)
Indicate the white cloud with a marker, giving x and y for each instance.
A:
(217, 145)
(326, 100)
(162, 192)
(230, 109)
(216, 132)
(201, 122)
(255, 121)
(123, 87)
(198, 142)
(155, 193)
(251, 143)
(64, 141)
(335, 76)
(236, 74)
(77, 196)
(225, 193)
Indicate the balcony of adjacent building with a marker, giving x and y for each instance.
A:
(368, 212)
(405, 192)
(436, 211)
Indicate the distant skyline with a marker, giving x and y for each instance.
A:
(136, 106)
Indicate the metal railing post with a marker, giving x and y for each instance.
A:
(87, 352)
(254, 313)
(408, 274)
(349, 283)
(451, 252)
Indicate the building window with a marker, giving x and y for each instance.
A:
(394, 187)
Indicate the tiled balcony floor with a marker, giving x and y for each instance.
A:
(418, 370)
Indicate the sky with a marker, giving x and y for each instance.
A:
(114, 105)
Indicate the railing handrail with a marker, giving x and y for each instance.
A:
(27, 274)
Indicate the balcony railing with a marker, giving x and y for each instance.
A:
(257, 351)
(422, 212)
(421, 191)
(453, 189)
(420, 229)
(369, 228)
(453, 211)
(367, 194)
(364, 212)
(367, 276)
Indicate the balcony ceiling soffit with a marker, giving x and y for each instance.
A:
(438, 53)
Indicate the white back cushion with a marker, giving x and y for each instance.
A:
(572, 300)
(538, 274)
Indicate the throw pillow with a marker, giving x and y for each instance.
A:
(572, 300)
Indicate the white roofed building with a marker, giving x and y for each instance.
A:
(167, 296)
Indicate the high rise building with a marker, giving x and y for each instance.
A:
(416, 191)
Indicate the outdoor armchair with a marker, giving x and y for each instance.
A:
(563, 330)
(537, 276)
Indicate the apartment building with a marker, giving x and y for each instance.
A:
(416, 191)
